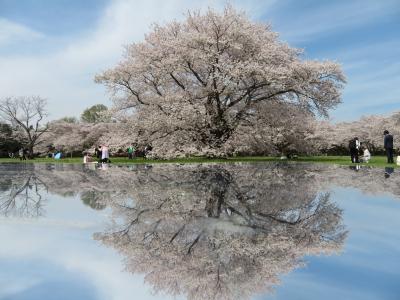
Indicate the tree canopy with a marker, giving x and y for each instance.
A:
(192, 84)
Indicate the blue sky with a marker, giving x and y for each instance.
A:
(55, 48)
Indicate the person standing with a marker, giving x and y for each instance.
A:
(354, 146)
(105, 156)
(97, 153)
(358, 145)
(131, 151)
(388, 145)
(21, 154)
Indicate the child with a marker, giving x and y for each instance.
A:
(366, 155)
(87, 158)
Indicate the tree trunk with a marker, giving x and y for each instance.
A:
(220, 182)
(30, 151)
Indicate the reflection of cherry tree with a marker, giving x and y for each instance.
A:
(21, 195)
(222, 232)
(95, 187)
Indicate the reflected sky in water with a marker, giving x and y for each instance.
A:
(244, 231)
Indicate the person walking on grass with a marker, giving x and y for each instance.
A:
(388, 145)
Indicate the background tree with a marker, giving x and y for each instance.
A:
(73, 120)
(191, 84)
(334, 138)
(26, 114)
(77, 137)
(94, 114)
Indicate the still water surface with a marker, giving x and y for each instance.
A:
(222, 231)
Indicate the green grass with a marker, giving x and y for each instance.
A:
(376, 161)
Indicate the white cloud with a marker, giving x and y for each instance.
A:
(65, 76)
(11, 33)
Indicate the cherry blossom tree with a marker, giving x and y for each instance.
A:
(189, 85)
(78, 137)
(272, 134)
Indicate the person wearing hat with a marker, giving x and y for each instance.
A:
(388, 145)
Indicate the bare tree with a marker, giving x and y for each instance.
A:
(27, 115)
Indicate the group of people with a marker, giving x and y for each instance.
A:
(101, 153)
(356, 148)
(133, 151)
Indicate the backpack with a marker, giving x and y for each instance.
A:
(352, 144)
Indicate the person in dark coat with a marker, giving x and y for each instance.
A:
(97, 153)
(388, 145)
(354, 146)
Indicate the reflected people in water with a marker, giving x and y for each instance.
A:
(388, 171)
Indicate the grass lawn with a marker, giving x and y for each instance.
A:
(376, 161)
